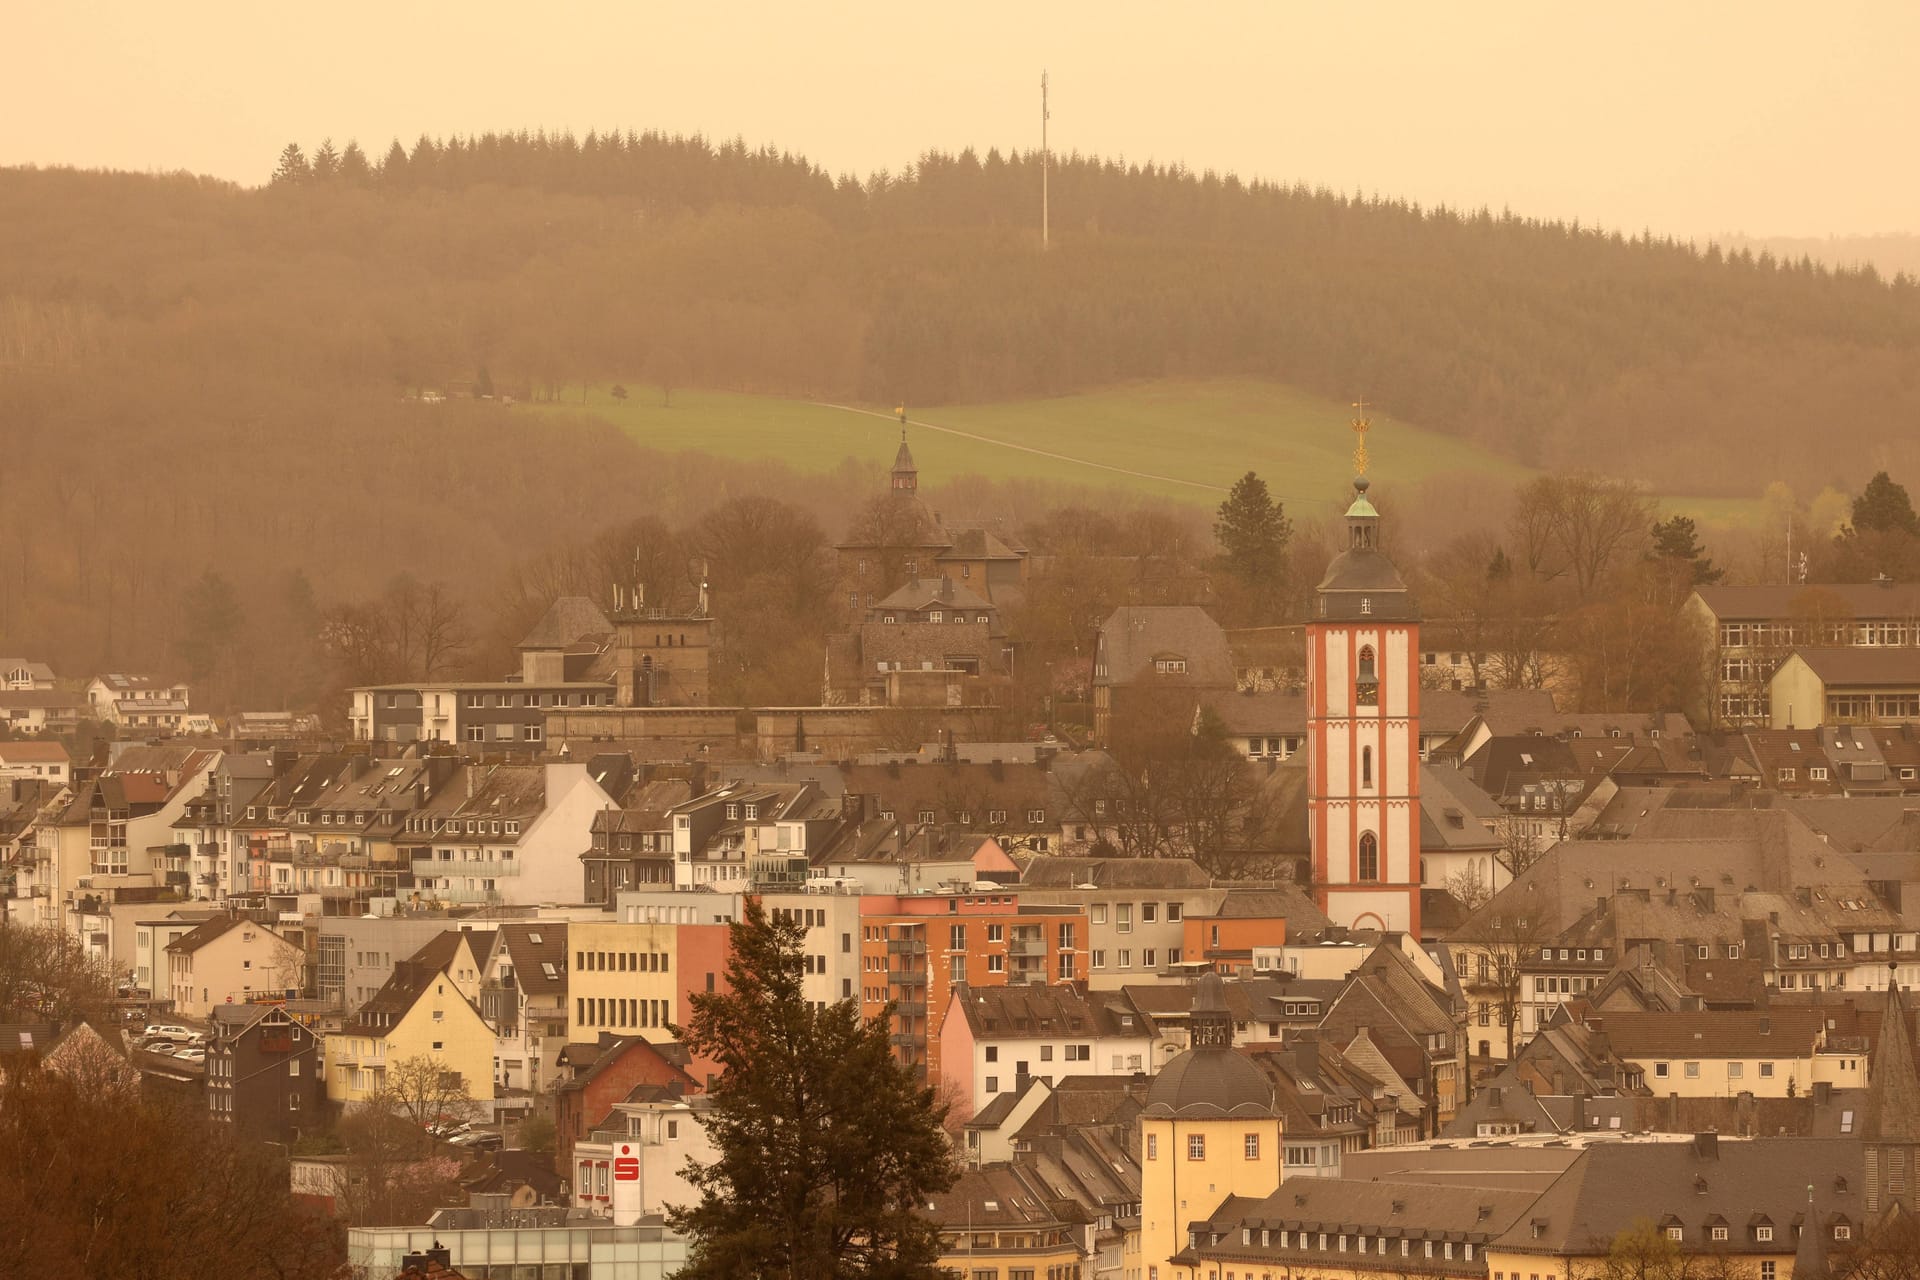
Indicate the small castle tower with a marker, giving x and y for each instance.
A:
(906, 476)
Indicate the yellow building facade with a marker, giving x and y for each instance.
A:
(1209, 1130)
(420, 1013)
(625, 979)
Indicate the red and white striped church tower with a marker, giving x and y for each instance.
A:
(1363, 733)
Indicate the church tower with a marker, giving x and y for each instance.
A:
(1891, 1126)
(1363, 732)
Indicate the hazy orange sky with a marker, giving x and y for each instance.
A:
(1689, 117)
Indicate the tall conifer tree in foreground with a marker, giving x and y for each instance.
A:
(826, 1146)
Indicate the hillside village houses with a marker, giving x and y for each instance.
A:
(1629, 954)
(143, 703)
(227, 960)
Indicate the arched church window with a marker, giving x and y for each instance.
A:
(1366, 662)
(1366, 766)
(1369, 857)
(1366, 685)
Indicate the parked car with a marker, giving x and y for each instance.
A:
(170, 1031)
(478, 1140)
(167, 1047)
(191, 1054)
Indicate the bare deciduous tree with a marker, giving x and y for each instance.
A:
(46, 975)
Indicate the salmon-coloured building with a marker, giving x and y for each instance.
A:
(913, 949)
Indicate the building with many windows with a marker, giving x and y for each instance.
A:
(915, 949)
(1750, 631)
(264, 1073)
(1820, 687)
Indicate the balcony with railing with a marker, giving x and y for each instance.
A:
(907, 977)
(906, 946)
(460, 894)
(485, 868)
(1027, 946)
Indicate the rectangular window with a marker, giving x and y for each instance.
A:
(1197, 1146)
(1252, 1145)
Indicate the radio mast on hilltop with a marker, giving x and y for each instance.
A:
(1043, 159)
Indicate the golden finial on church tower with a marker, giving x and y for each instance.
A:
(1360, 428)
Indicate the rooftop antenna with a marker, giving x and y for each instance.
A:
(1045, 157)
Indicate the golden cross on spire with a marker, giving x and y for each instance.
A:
(1360, 428)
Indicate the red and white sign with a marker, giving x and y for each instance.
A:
(626, 1168)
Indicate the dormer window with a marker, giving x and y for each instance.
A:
(1170, 666)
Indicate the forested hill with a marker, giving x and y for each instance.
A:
(545, 260)
(199, 377)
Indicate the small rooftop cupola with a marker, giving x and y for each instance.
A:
(1363, 522)
(1209, 1024)
(1209, 1080)
(906, 477)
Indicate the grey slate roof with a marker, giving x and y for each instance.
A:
(1851, 666)
(1861, 599)
(1135, 635)
(1210, 1082)
(936, 592)
(1744, 1183)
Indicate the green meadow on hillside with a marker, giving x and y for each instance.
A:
(1183, 440)
(1186, 440)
